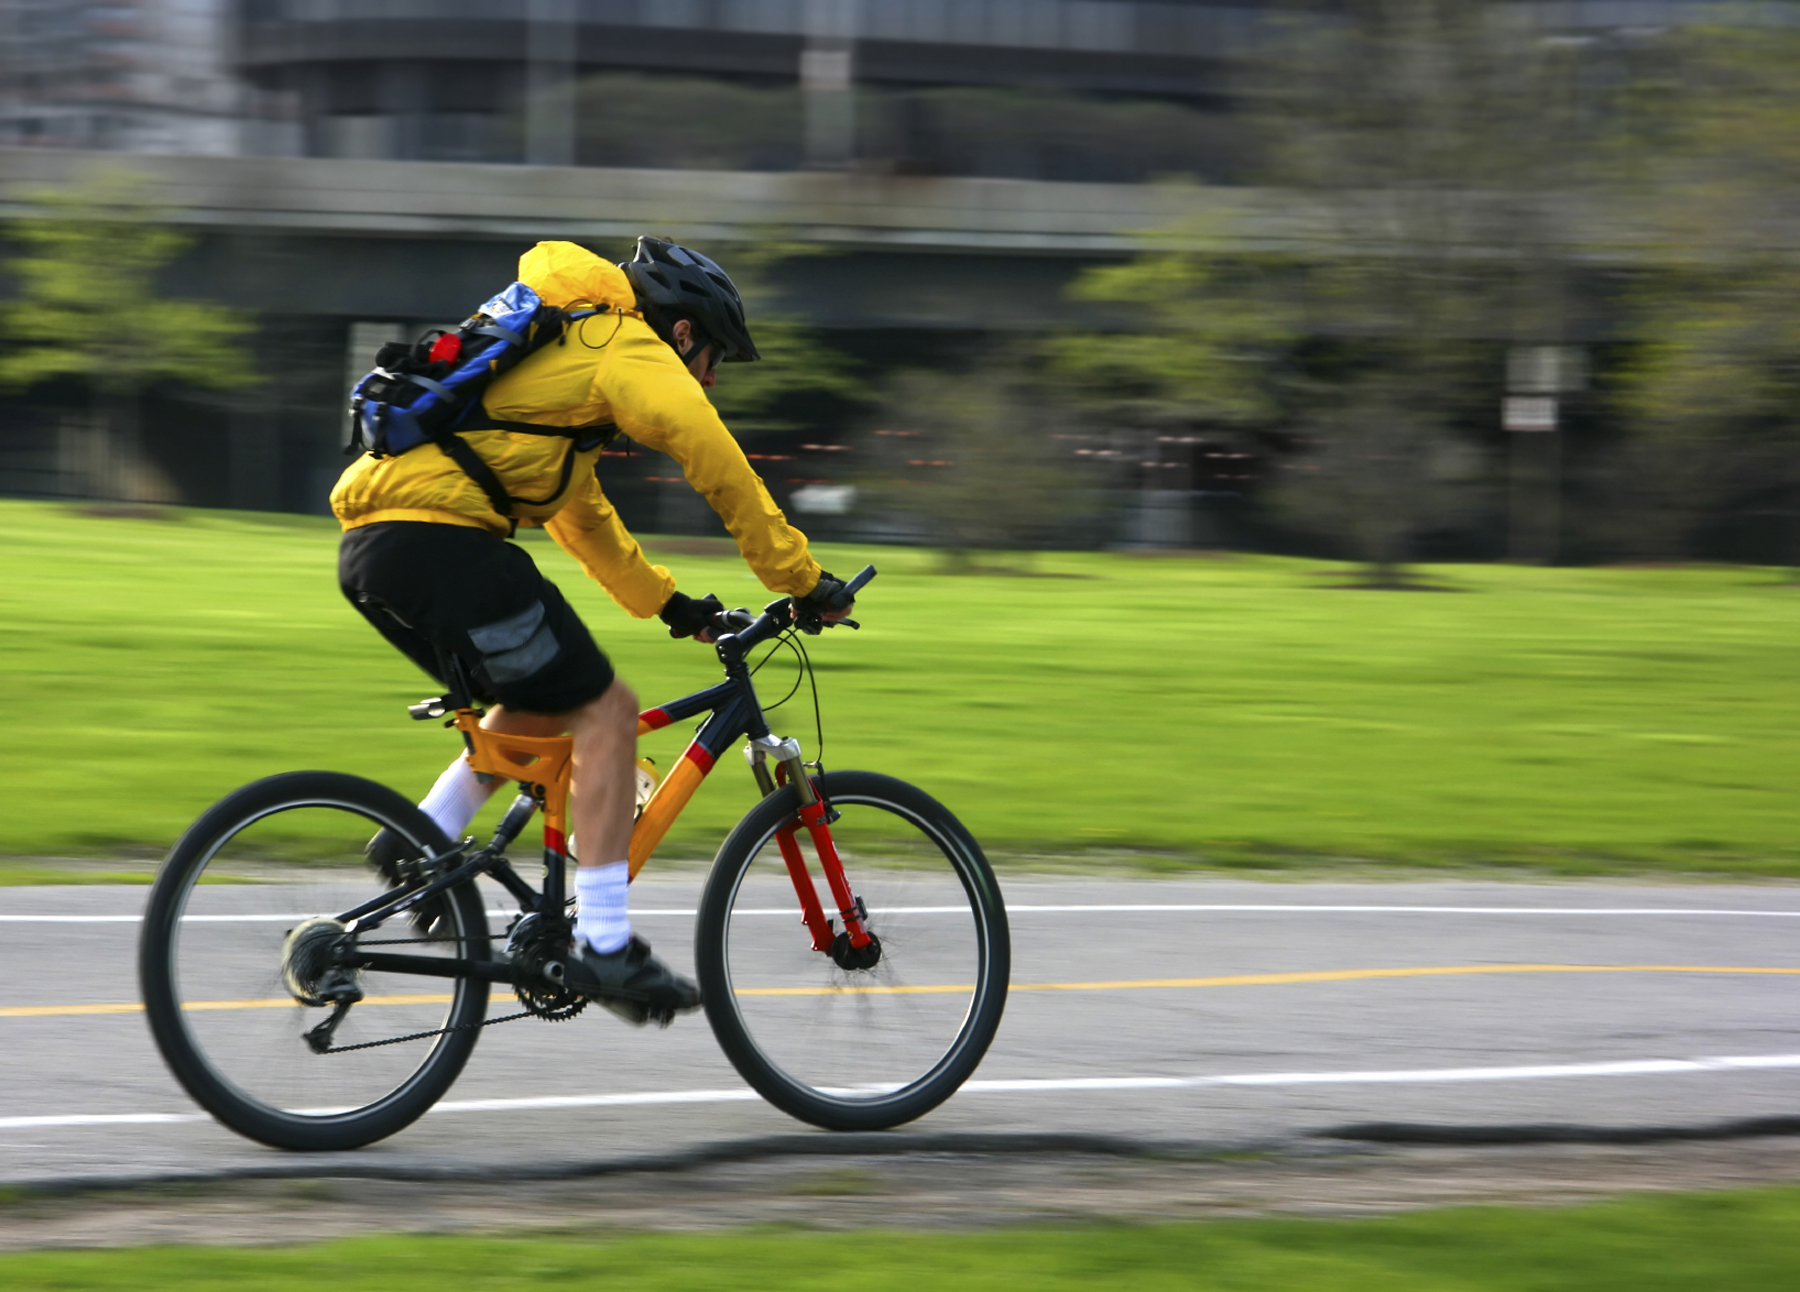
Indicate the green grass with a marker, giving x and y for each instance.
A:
(1241, 712)
(1708, 1243)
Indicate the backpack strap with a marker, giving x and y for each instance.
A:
(581, 439)
(481, 473)
(585, 437)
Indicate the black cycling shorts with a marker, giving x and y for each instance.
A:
(428, 587)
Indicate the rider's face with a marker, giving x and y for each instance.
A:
(703, 362)
(705, 366)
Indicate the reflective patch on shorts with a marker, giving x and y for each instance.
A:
(516, 647)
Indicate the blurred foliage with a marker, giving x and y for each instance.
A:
(88, 304)
(796, 359)
(974, 456)
(1043, 134)
(89, 307)
(1207, 332)
(1412, 140)
(1713, 391)
(689, 123)
(703, 123)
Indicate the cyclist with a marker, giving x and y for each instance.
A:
(425, 558)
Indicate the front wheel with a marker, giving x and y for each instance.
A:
(856, 1048)
(231, 996)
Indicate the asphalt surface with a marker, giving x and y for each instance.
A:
(1141, 1011)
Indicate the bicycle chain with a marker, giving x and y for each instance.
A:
(548, 1017)
(420, 1036)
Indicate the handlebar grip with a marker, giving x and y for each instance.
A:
(844, 598)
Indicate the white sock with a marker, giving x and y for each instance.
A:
(601, 897)
(455, 798)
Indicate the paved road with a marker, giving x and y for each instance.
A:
(1511, 1038)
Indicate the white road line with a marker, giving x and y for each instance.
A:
(100, 1119)
(1147, 908)
(632, 1099)
(1409, 910)
(1044, 1085)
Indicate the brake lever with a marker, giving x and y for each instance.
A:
(842, 623)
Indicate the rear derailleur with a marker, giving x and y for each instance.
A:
(313, 968)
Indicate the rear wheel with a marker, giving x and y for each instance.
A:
(858, 1048)
(225, 987)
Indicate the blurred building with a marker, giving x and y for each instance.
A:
(932, 86)
(148, 76)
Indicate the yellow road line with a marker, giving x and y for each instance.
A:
(1265, 979)
(277, 1002)
(942, 989)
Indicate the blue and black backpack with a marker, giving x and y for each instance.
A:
(425, 391)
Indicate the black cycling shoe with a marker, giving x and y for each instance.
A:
(630, 982)
(388, 854)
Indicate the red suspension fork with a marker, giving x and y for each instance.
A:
(812, 816)
(810, 910)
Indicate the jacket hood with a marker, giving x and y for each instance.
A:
(565, 276)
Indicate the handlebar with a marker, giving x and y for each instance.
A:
(750, 628)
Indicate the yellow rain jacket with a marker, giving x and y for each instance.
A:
(611, 367)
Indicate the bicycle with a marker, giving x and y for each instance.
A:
(282, 1009)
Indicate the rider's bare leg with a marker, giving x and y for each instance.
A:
(606, 962)
(605, 735)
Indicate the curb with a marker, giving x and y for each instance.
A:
(961, 1143)
(1551, 1133)
(760, 1148)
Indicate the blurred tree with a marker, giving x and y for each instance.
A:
(1714, 387)
(88, 307)
(1036, 133)
(1413, 142)
(796, 359)
(1209, 332)
(703, 123)
(973, 457)
(685, 122)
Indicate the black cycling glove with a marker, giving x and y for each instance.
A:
(827, 595)
(686, 616)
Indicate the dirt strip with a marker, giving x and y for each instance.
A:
(930, 1190)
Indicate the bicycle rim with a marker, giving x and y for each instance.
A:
(872, 1047)
(258, 866)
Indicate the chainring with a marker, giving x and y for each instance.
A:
(530, 945)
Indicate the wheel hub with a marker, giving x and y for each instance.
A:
(846, 956)
(309, 963)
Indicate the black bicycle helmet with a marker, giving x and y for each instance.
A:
(673, 282)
